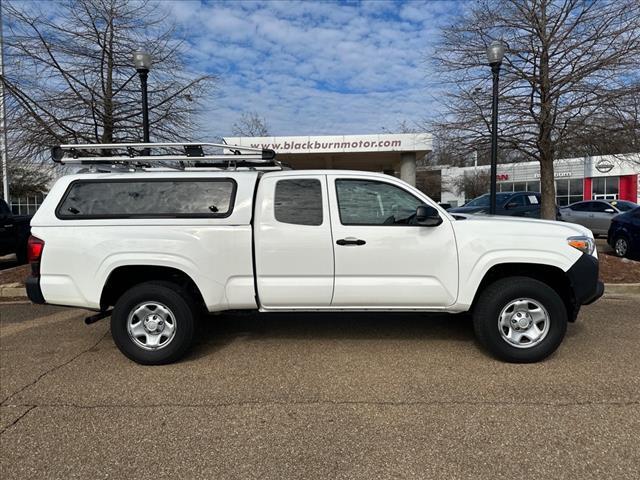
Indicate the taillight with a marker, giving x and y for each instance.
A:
(34, 251)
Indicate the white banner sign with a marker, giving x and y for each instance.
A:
(401, 142)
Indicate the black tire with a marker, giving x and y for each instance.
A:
(497, 297)
(622, 250)
(183, 312)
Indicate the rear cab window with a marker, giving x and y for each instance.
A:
(298, 201)
(148, 198)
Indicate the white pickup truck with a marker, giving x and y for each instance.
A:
(162, 247)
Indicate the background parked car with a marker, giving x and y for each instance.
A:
(596, 215)
(14, 233)
(624, 234)
(515, 204)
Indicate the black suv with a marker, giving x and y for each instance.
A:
(14, 233)
(515, 204)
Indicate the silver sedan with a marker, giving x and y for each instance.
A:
(596, 215)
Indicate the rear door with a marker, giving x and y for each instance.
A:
(293, 247)
(580, 213)
(381, 259)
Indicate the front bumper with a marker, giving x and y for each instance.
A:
(583, 276)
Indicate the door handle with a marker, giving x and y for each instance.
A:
(350, 241)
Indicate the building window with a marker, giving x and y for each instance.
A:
(26, 205)
(605, 188)
(533, 186)
(298, 201)
(569, 191)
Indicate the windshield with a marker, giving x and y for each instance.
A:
(483, 201)
(623, 205)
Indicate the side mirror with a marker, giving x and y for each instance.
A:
(427, 216)
(609, 210)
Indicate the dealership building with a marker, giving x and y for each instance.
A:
(403, 155)
(609, 177)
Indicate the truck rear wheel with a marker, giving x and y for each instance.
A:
(520, 320)
(153, 323)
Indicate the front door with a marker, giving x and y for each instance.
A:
(383, 259)
(294, 252)
(601, 215)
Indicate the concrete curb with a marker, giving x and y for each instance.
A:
(622, 288)
(12, 290)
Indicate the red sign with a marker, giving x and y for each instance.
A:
(502, 176)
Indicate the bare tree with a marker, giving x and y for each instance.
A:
(29, 178)
(430, 182)
(569, 65)
(70, 77)
(615, 132)
(472, 184)
(404, 126)
(250, 124)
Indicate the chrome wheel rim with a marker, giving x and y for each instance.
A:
(523, 323)
(621, 247)
(151, 325)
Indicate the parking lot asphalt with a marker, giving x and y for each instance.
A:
(319, 396)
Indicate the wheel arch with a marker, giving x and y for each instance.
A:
(122, 278)
(550, 275)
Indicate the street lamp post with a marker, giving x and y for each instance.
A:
(495, 54)
(142, 62)
(4, 153)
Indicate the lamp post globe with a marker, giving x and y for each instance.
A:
(142, 60)
(495, 52)
(142, 63)
(495, 55)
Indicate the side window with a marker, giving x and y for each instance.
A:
(580, 207)
(151, 198)
(518, 200)
(599, 207)
(366, 202)
(298, 201)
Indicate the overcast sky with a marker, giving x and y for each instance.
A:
(315, 67)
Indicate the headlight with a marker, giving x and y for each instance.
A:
(583, 243)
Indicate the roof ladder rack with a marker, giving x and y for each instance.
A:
(139, 154)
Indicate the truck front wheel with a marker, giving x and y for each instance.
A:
(520, 320)
(153, 323)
